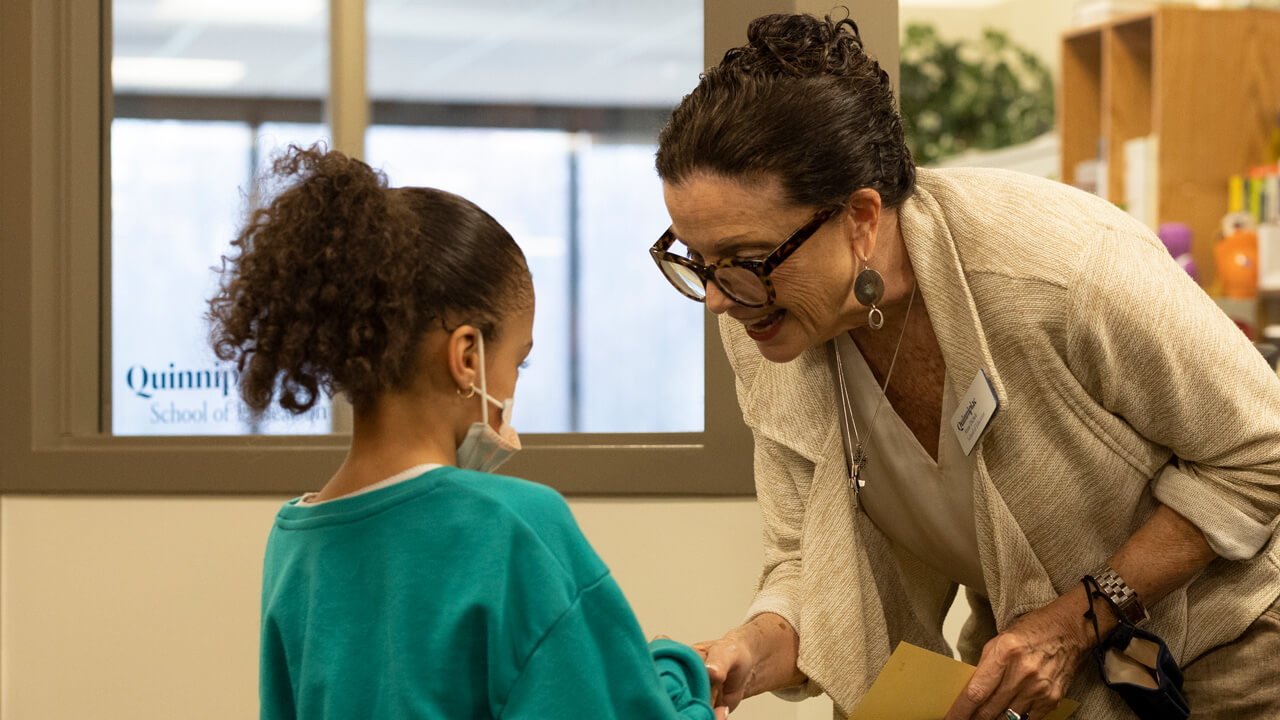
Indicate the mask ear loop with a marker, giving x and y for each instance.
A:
(1089, 585)
(1093, 590)
(485, 397)
(484, 388)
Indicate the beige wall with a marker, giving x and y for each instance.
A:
(1034, 24)
(125, 608)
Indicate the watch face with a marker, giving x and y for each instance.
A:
(1133, 610)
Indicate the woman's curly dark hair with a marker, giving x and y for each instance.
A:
(336, 281)
(802, 102)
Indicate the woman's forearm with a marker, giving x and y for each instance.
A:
(775, 648)
(1029, 665)
(1164, 553)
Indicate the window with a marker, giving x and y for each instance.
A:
(547, 116)
(628, 389)
(521, 177)
(613, 345)
(192, 84)
(201, 91)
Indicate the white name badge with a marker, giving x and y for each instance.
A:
(975, 412)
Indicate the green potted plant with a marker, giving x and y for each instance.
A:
(970, 94)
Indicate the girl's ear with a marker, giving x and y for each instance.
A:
(463, 350)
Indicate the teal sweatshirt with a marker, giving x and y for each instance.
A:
(456, 594)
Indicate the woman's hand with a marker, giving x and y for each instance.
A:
(757, 657)
(1028, 667)
(729, 666)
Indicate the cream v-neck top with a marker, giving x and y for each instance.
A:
(922, 505)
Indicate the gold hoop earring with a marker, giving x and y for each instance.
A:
(469, 395)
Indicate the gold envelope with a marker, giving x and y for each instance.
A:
(917, 684)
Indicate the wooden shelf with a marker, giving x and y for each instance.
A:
(1206, 83)
(1097, 27)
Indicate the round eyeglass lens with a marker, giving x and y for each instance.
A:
(742, 286)
(685, 280)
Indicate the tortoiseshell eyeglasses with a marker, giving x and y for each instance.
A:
(743, 281)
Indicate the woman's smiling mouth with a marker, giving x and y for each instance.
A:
(767, 327)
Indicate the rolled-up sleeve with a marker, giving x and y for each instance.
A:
(1154, 349)
(1233, 532)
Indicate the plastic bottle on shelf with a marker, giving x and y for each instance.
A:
(1236, 254)
(1237, 259)
(1269, 237)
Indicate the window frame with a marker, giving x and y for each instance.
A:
(55, 313)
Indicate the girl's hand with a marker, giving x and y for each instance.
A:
(722, 711)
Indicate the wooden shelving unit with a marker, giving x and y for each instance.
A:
(1206, 83)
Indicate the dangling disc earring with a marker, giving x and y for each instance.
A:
(868, 289)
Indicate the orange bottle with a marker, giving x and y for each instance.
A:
(1236, 257)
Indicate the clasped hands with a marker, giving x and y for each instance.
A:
(1027, 668)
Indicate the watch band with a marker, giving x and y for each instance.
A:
(1119, 592)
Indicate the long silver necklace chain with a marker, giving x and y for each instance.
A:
(857, 459)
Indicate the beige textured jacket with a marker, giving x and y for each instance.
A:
(1121, 385)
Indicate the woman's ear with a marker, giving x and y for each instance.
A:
(463, 350)
(863, 210)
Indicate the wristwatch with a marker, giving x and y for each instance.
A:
(1119, 592)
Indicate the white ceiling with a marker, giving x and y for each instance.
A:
(588, 52)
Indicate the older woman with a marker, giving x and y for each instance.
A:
(963, 377)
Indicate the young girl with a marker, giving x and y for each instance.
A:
(415, 584)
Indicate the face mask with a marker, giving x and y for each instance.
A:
(485, 449)
(1138, 666)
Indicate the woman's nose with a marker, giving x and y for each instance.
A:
(717, 301)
